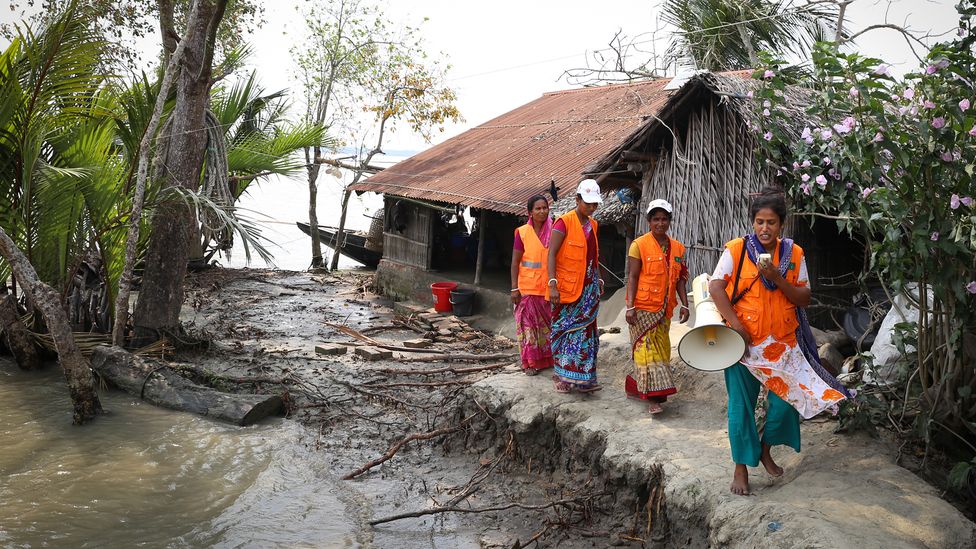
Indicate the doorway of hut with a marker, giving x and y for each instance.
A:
(457, 242)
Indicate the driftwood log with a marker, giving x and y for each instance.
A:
(162, 385)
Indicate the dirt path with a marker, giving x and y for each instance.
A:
(840, 491)
(266, 324)
(626, 479)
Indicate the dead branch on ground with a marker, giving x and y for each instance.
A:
(403, 442)
(451, 369)
(565, 503)
(467, 357)
(353, 333)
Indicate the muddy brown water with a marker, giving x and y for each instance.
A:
(145, 476)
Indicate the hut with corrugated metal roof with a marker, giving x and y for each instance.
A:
(543, 147)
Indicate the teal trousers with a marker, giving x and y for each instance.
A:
(782, 420)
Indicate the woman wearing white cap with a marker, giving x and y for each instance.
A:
(574, 290)
(657, 274)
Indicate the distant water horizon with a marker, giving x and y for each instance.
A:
(277, 204)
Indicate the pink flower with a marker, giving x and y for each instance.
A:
(896, 97)
(961, 31)
(768, 136)
(931, 69)
(826, 160)
(947, 156)
(767, 104)
(938, 122)
(854, 92)
(908, 93)
(765, 112)
(806, 164)
(972, 132)
(878, 138)
(749, 95)
(967, 201)
(805, 187)
(964, 105)
(826, 134)
(769, 74)
(849, 185)
(928, 104)
(805, 178)
(934, 236)
(902, 110)
(882, 70)
(867, 192)
(833, 173)
(806, 135)
(954, 201)
(822, 181)
(971, 287)
(796, 165)
(846, 126)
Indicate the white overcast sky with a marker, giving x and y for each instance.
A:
(506, 53)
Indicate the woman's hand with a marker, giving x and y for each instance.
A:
(684, 314)
(553, 295)
(601, 285)
(770, 272)
(516, 297)
(631, 316)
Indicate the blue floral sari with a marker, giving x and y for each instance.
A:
(574, 338)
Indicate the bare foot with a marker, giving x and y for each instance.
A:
(740, 480)
(654, 407)
(766, 458)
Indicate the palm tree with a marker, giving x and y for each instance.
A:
(48, 88)
(727, 34)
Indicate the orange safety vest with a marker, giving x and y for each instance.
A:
(571, 258)
(764, 312)
(533, 269)
(658, 279)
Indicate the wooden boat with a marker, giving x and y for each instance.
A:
(354, 244)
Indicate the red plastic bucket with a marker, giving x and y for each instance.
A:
(442, 295)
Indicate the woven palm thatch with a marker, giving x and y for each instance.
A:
(613, 209)
(703, 143)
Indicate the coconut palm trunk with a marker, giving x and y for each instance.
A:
(77, 372)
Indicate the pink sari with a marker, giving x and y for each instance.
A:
(533, 321)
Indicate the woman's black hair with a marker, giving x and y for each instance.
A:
(772, 198)
(535, 198)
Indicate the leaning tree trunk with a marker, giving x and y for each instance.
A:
(182, 149)
(81, 385)
(15, 333)
(340, 238)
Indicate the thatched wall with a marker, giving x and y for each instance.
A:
(706, 171)
(408, 234)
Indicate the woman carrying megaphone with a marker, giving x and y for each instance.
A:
(760, 286)
(657, 275)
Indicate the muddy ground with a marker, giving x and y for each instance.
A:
(266, 324)
(569, 470)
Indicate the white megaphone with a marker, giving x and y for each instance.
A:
(710, 346)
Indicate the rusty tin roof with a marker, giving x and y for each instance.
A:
(501, 163)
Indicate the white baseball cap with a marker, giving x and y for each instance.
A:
(589, 191)
(660, 203)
